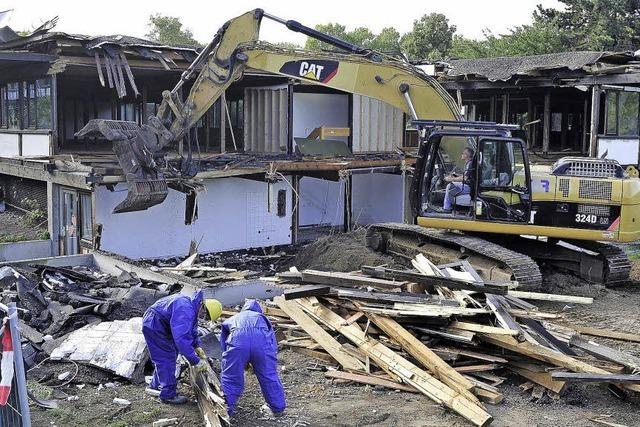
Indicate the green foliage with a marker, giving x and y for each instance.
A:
(596, 24)
(537, 38)
(430, 38)
(388, 41)
(333, 29)
(34, 215)
(169, 30)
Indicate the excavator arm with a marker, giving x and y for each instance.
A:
(234, 49)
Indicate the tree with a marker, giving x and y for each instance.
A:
(597, 24)
(169, 30)
(333, 29)
(538, 38)
(388, 41)
(430, 38)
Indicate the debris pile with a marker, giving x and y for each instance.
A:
(82, 314)
(444, 332)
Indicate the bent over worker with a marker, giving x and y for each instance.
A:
(248, 337)
(170, 327)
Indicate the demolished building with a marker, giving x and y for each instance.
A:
(256, 152)
(570, 103)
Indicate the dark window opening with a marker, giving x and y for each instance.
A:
(622, 113)
(26, 105)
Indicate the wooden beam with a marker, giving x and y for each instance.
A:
(476, 327)
(438, 367)
(606, 353)
(546, 122)
(315, 354)
(330, 344)
(410, 276)
(570, 299)
(348, 280)
(370, 379)
(541, 378)
(595, 117)
(306, 291)
(396, 365)
(595, 378)
(477, 368)
(538, 352)
(606, 333)
(209, 396)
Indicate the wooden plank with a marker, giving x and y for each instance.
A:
(306, 291)
(596, 378)
(569, 299)
(392, 297)
(476, 327)
(330, 344)
(471, 354)
(606, 333)
(347, 280)
(490, 397)
(209, 396)
(541, 378)
(394, 364)
(476, 368)
(546, 355)
(606, 353)
(422, 279)
(465, 337)
(353, 318)
(370, 379)
(502, 315)
(547, 336)
(412, 345)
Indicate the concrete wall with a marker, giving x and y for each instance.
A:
(233, 214)
(312, 110)
(29, 249)
(377, 197)
(321, 202)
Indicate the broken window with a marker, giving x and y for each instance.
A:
(26, 105)
(622, 113)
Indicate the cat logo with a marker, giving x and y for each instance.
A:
(319, 71)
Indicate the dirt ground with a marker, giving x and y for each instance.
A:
(314, 400)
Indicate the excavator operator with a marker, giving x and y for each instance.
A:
(459, 184)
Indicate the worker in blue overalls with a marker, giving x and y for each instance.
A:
(248, 337)
(170, 327)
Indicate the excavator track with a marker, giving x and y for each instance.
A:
(523, 268)
(617, 263)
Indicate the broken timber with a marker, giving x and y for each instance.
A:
(333, 347)
(598, 378)
(440, 369)
(422, 279)
(347, 280)
(606, 353)
(399, 366)
(306, 291)
(210, 398)
(369, 379)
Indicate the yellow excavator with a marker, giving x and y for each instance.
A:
(473, 193)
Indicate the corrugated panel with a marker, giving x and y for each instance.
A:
(265, 120)
(377, 126)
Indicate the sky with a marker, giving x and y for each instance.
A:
(130, 17)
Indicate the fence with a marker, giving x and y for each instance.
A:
(16, 412)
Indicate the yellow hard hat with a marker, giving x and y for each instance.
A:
(214, 308)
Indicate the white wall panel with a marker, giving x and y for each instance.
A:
(232, 214)
(9, 145)
(312, 110)
(35, 145)
(377, 197)
(321, 202)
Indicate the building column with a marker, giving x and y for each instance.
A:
(595, 116)
(585, 126)
(546, 122)
(505, 108)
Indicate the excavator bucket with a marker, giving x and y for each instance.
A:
(145, 182)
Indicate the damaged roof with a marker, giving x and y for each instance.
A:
(504, 68)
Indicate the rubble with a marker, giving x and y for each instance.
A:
(449, 339)
(117, 346)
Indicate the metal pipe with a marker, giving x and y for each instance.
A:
(404, 88)
(21, 379)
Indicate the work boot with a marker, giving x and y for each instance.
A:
(178, 399)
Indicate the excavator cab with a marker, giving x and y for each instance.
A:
(474, 171)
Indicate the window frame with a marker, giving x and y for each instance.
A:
(28, 118)
(616, 131)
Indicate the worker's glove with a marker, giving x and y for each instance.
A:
(200, 352)
(202, 365)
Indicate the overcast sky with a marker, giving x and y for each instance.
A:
(205, 17)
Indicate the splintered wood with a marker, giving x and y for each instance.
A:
(451, 339)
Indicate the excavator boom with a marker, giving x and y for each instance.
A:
(235, 48)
